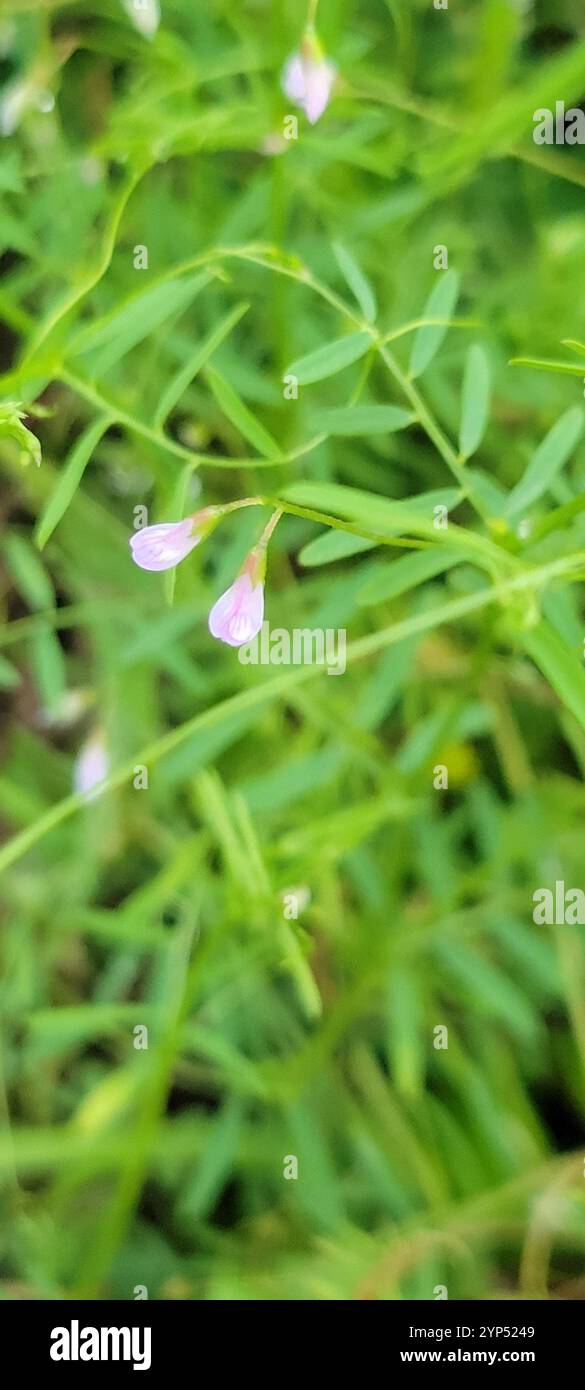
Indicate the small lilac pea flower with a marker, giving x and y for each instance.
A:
(91, 766)
(308, 78)
(165, 545)
(237, 616)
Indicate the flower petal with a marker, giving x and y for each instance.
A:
(91, 766)
(293, 79)
(237, 616)
(162, 546)
(319, 78)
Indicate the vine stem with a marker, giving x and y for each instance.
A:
(425, 417)
(268, 530)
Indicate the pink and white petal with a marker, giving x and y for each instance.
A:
(293, 79)
(237, 616)
(162, 546)
(220, 614)
(319, 81)
(256, 609)
(91, 766)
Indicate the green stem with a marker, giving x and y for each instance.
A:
(268, 530)
(312, 14)
(427, 420)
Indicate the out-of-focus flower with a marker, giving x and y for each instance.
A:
(22, 95)
(308, 77)
(145, 14)
(238, 615)
(165, 545)
(273, 144)
(17, 97)
(91, 766)
(91, 170)
(70, 707)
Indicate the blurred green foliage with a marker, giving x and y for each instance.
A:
(273, 1035)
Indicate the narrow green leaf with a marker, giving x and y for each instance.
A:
(211, 1171)
(70, 478)
(362, 419)
(356, 280)
(404, 574)
(492, 992)
(333, 545)
(475, 402)
(48, 661)
(28, 572)
(380, 515)
(561, 665)
(193, 365)
(406, 1051)
(544, 364)
(241, 416)
(123, 328)
(575, 345)
(440, 305)
(330, 359)
(548, 460)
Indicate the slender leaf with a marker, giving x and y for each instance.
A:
(356, 280)
(475, 402)
(405, 573)
(380, 515)
(440, 305)
(330, 359)
(70, 478)
(28, 571)
(179, 383)
(562, 666)
(362, 419)
(124, 327)
(333, 545)
(240, 416)
(544, 364)
(548, 460)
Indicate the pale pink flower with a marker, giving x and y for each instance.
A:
(307, 80)
(237, 616)
(160, 547)
(91, 766)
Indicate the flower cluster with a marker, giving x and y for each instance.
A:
(237, 616)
